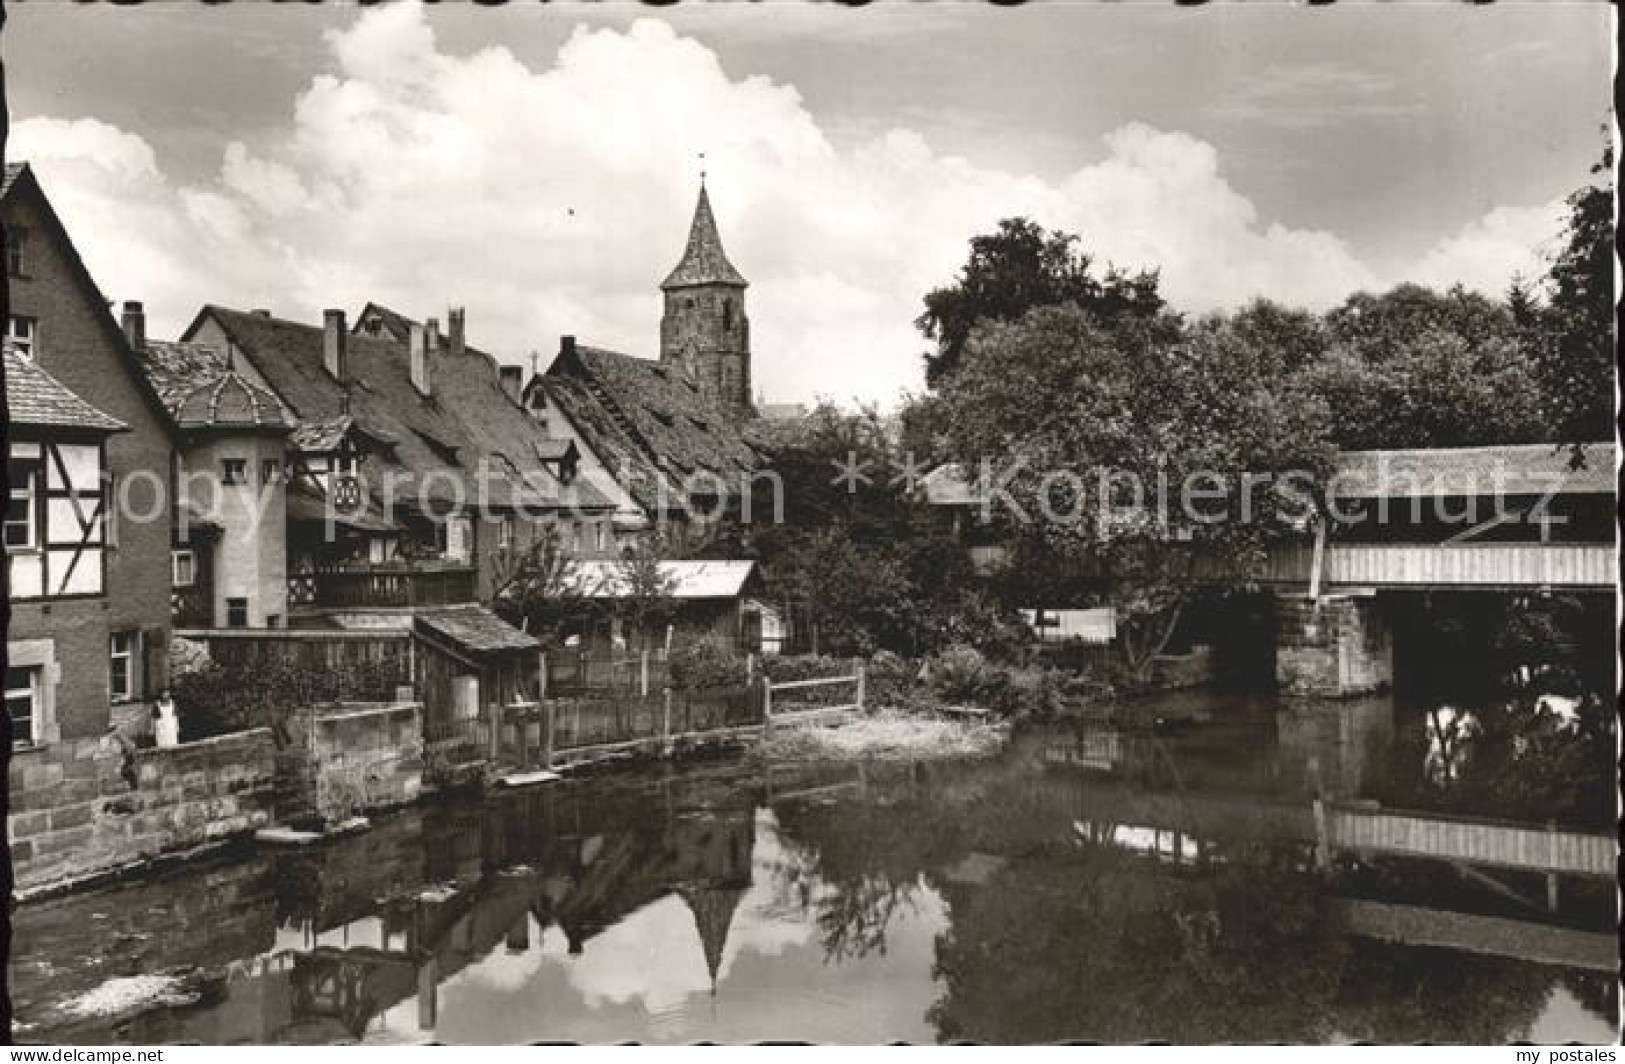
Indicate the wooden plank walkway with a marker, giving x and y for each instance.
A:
(1475, 842)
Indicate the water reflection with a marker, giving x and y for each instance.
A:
(1091, 883)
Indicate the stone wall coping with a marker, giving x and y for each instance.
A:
(341, 711)
(247, 737)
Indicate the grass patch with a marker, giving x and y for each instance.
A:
(883, 736)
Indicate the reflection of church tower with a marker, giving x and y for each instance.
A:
(703, 330)
(713, 909)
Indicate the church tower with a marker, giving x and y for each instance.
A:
(703, 331)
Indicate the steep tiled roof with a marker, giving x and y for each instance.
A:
(34, 397)
(704, 261)
(649, 424)
(469, 389)
(201, 389)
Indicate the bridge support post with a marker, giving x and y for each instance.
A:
(1338, 647)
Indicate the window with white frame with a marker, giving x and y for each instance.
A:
(234, 471)
(23, 335)
(270, 471)
(23, 705)
(182, 568)
(124, 658)
(22, 509)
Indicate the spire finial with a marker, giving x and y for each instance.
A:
(702, 169)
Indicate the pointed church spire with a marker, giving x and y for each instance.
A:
(704, 261)
(713, 912)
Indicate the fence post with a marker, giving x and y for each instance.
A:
(750, 669)
(767, 704)
(547, 734)
(863, 683)
(541, 676)
(643, 674)
(665, 721)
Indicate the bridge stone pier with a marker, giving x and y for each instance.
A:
(1338, 646)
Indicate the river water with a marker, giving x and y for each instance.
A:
(1088, 883)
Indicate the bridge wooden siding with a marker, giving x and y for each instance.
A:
(1423, 565)
(1497, 936)
(1393, 832)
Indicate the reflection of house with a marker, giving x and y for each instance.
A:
(88, 522)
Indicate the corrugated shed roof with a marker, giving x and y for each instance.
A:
(650, 425)
(687, 579)
(475, 629)
(704, 261)
(201, 389)
(34, 397)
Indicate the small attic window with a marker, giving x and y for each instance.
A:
(662, 372)
(699, 423)
(663, 417)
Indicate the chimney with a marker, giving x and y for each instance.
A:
(333, 344)
(432, 327)
(419, 345)
(134, 320)
(454, 330)
(513, 381)
(260, 312)
(567, 345)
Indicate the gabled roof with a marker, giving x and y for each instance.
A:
(380, 401)
(20, 176)
(35, 398)
(201, 389)
(469, 391)
(649, 424)
(704, 261)
(399, 326)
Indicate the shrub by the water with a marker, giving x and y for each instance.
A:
(706, 663)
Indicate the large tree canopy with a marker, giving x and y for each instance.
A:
(1015, 269)
(1121, 450)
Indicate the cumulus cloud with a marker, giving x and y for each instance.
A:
(551, 198)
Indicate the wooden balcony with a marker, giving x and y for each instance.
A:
(1486, 565)
(357, 585)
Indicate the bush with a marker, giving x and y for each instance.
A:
(705, 663)
(222, 699)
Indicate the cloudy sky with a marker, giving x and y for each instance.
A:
(539, 164)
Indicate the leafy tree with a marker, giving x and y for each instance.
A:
(1015, 269)
(1577, 363)
(537, 586)
(858, 551)
(1080, 426)
(647, 590)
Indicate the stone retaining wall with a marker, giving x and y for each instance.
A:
(88, 806)
(358, 757)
